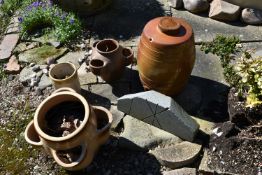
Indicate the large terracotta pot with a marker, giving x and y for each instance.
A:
(104, 120)
(84, 7)
(109, 59)
(36, 132)
(166, 55)
(65, 75)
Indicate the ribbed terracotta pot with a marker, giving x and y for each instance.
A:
(166, 55)
(109, 59)
(65, 75)
(88, 151)
(36, 132)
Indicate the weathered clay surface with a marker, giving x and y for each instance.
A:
(224, 11)
(252, 16)
(196, 6)
(161, 111)
(139, 135)
(7, 46)
(12, 66)
(182, 171)
(178, 155)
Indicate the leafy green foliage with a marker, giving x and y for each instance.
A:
(10, 6)
(223, 47)
(250, 71)
(38, 15)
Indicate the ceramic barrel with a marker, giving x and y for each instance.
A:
(166, 55)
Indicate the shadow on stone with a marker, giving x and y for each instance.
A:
(125, 19)
(132, 81)
(205, 98)
(95, 99)
(120, 161)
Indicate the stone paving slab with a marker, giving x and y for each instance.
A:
(138, 135)
(205, 29)
(72, 57)
(7, 46)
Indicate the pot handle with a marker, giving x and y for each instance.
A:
(64, 89)
(128, 55)
(73, 164)
(31, 136)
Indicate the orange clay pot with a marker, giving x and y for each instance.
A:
(166, 55)
(35, 132)
(109, 59)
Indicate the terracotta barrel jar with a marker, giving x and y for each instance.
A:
(166, 55)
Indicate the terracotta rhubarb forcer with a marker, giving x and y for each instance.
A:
(109, 59)
(88, 151)
(166, 55)
(92, 132)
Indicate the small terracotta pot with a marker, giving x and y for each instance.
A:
(88, 150)
(65, 75)
(109, 59)
(84, 133)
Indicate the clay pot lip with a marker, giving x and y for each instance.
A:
(61, 80)
(28, 127)
(109, 115)
(105, 40)
(92, 60)
(78, 130)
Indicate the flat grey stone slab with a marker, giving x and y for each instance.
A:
(205, 29)
(44, 82)
(160, 111)
(182, 171)
(139, 135)
(178, 155)
(72, 57)
(85, 76)
(110, 91)
(13, 26)
(208, 66)
(7, 46)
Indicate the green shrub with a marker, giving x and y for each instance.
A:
(39, 15)
(223, 47)
(8, 7)
(250, 71)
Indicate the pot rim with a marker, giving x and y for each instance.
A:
(104, 40)
(65, 79)
(71, 135)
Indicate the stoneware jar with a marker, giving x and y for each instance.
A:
(84, 7)
(65, 75)
(109, 59)
(37, 131)
(166, 55)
